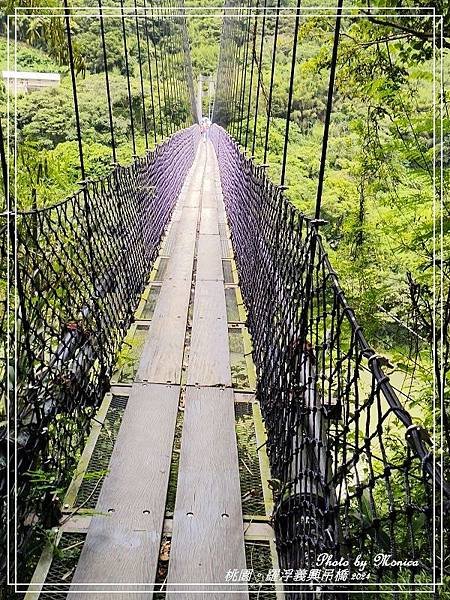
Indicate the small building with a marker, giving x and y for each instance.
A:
(29, 81)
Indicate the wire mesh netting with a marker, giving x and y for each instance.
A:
(352, 475)
(99, 462)
(82, 266)
(65, 558)
(249, 468)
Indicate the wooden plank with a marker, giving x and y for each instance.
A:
(170, 239)
(209, 356)
(209, 258)
(181, 262)
(77, 523)
(209, 200)
(208, 537)
(123, 541)
(244, 397)
(209, 196)
(193, 199)
(162, 356)
(222, 217)
(209, 221)
(188, 224)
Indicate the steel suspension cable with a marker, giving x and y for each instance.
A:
(4, 163)
(127, 68)
(291, 92)
(329, 108)
(236, 57)
(188, 65)
(244, 74)
(169, 59)
(176, 45)
(231, 67)
(141, 77)
(261, 49)
(236, 89)
(272, 76)
(183, 69)
(315, 223)
(172, 64)
(85, 192)
(220, 100)
(218, 97)
(157, 71)
(167, 74)
(74, 88)
(237, 74)
(175, 62)
(108, 89)
(220, 103)
(158, 50)
(150, 75)
(250, 90)
(227, 69)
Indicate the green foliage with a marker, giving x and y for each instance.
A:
(47, 118)
(204, 35)
(28, 58)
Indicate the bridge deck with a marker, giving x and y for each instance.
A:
(123, 540)
(185, 371)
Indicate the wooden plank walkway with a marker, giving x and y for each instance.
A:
(209, 359)
(207, 536)
(122, 545)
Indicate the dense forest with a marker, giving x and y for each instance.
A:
(386, 190)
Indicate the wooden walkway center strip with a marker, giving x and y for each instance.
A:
(208, 538)
(209, 357)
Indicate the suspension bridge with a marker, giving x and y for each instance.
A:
(184, 353)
